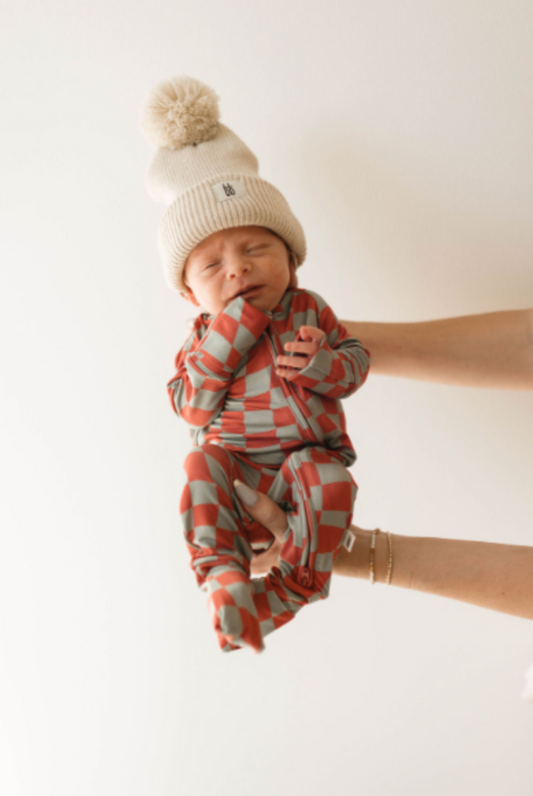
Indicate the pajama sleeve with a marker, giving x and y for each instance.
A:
(206, 364)
(340, 365)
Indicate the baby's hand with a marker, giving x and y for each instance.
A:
(290, 366)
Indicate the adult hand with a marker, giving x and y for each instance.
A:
(493, 576)
(264, 511)
(268, 514)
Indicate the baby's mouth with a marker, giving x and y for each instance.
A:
(248, 291)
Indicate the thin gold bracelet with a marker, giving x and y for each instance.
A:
(372, 554)
(389, 571)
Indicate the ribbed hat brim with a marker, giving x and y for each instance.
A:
(197, 214)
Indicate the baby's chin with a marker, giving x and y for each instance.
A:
(263, 306)
(265, 303)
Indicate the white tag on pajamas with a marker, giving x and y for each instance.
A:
(350, 539)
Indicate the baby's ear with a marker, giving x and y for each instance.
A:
(189, 295)
(293, 277)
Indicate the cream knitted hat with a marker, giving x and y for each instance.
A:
(206, 175)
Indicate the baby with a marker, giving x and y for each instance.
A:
(260, 377)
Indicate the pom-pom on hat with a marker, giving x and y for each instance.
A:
(206, 175)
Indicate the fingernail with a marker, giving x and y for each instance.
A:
(248, 496)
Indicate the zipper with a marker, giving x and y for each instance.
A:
(293, 405)
(305, 576)
(297, 411)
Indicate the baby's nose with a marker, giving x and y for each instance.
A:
(237, 268)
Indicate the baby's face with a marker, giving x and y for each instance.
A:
(250, 262)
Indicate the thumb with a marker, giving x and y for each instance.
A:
(262, 509)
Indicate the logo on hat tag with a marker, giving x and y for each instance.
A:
(230, 189)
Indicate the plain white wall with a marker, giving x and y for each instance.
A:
(400, 133)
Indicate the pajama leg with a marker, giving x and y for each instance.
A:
(218, 545)
(322, 492)
(319, 493)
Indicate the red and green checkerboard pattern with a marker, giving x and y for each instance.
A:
(284, 437)
(319, 493)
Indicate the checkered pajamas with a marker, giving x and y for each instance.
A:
(284, 437)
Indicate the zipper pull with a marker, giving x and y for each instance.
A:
(305, 576)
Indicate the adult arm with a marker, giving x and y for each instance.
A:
(491, 350)
(494, 576)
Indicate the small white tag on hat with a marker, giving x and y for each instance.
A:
(350, 539)
(229, 189)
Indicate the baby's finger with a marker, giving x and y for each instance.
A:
(287, 373)
(302, 348)
(311, 333)
(292, 362)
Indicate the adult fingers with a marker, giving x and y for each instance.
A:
(262, 563)
(262, 509)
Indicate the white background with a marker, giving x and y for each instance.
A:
(400, 134)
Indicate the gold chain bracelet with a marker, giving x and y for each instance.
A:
(373, 553)
(389, 570)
